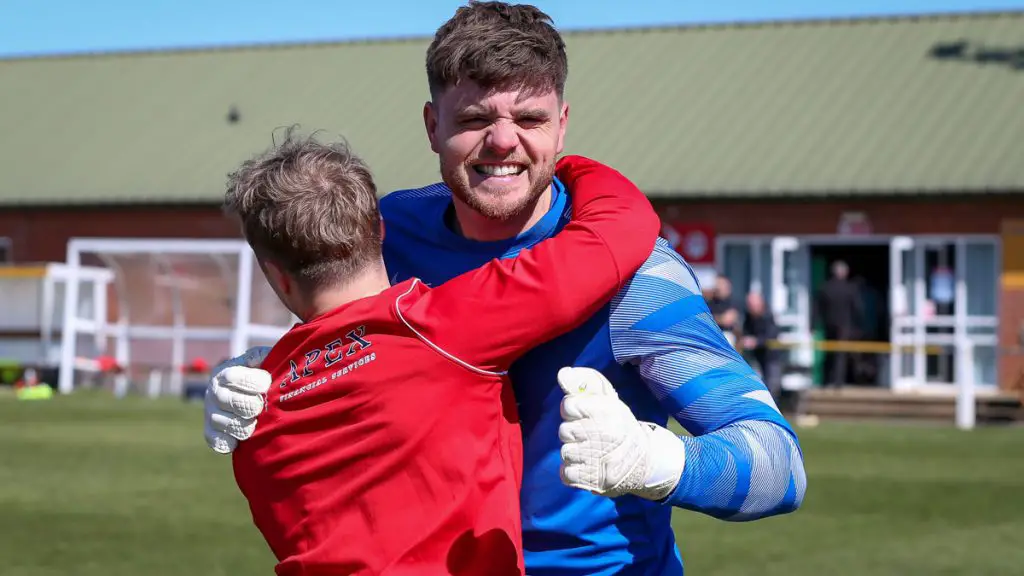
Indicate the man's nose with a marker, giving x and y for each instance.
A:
(502, 137)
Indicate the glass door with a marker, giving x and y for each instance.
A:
(936, 361)
(979, 320)
(944, 295)
(791, 304)
(745, 261)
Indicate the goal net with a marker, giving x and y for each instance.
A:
(173, 309)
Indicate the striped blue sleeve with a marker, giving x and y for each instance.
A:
(743, 460)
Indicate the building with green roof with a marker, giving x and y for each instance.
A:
(772, 149)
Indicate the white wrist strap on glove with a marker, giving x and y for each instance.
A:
(666, 459)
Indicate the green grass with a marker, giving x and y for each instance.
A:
(94, 486)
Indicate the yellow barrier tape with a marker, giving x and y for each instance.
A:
(22, 271)
(855, 346)
(1013, 280)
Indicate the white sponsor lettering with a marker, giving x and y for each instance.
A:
(355, 364)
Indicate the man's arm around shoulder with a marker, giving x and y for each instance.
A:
(743, 460)
(492, 315)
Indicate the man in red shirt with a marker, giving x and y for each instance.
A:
(389, 443)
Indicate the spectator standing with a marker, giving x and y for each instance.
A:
(839, 310)
(759, 330)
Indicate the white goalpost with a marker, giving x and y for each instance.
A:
(170, 301)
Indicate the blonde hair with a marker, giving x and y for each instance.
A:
(308, 206)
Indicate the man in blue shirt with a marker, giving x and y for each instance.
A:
(497, 121)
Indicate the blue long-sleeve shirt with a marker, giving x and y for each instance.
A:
(743, 459)
(657, 343)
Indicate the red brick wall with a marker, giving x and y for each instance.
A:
(938, 216)
(41, 235)
(1011, 362)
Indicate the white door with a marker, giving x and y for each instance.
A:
(902, 306)
(791, 304)
(936, 331)
(978, 317)
(944, 294)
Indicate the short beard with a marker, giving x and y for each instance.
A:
(498, 211)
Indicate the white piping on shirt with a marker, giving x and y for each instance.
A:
(438, 349)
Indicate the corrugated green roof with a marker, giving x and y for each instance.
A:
(931, 104)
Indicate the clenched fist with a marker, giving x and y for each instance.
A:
(605, 449)
(235, 397)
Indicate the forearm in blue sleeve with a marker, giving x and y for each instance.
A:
(743, 460)
(745, 471)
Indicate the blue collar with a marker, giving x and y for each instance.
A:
(545, 228)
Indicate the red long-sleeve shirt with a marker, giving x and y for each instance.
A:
(391, 442)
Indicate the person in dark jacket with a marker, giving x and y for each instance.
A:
(840, 311)
(865, 364)
(759, 329)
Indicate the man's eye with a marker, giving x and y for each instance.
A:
(530, 122)
(474, 121)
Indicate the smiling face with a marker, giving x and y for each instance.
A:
(497, 149)
(497, 118)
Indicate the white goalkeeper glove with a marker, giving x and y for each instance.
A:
(605, 449)
(235, 397)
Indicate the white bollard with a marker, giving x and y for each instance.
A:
(965, 398)
(120, 385)
(155, 381)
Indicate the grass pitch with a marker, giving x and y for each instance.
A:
(94, 486)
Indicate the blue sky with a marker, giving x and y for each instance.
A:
(33, 27)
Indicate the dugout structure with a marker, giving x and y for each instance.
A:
(33, 295)
(170, 302)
